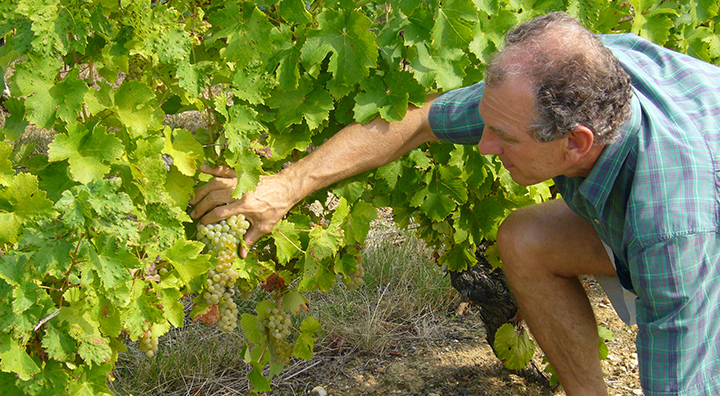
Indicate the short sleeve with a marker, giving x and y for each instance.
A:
(454, 116)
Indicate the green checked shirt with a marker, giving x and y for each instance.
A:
(653, 197)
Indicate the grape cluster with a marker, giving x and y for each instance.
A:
(356, 278)
(223, 239)
(148, 343)
(277, 324)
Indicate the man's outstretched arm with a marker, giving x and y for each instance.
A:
(355, 149)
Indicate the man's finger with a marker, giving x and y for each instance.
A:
(213, 207)
(251, 236)
(216, 184)
(220, 170)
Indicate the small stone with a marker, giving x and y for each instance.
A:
(637, 391)
(319, 391)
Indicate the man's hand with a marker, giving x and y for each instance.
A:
(263, 208)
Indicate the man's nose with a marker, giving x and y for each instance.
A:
(489, 143)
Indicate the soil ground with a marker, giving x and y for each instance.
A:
(458, 363)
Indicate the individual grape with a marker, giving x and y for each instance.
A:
(222, 239)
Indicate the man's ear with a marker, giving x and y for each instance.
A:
(580, 141)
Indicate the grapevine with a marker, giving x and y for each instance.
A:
(87, 218)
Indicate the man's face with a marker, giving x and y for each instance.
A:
(508, 112)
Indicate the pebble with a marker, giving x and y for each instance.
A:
(319, 391)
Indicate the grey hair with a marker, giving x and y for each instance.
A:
(576, 79)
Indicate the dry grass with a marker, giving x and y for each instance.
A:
(406, 299)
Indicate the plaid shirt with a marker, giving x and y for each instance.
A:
(653, 197)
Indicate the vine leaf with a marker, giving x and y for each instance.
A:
(186, 259)
(307, 102)
(186, 151)
(287, 241)
(69, 94)
(347, 34)
(14, 359)
(388, 96)
(444, 66)
(304, 345)
(21, 201)
(513, 347)
(136, 108)
(89, 152)
(453, 24)
(34, 79)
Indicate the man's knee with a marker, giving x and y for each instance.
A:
(519, 233)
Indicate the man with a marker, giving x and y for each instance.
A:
(630, 133)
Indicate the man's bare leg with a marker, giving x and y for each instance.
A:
(544, 248)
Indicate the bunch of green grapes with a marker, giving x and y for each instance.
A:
(223, 239)
(277, 323)
(356, 278)
(148, 343)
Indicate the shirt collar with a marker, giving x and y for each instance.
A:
(597, 185)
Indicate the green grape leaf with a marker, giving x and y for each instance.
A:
(245, 32)
(357, 223)
(70, 96)
(247, 165)
(113, 262)
(6, 167)
(348, 36)
(257, 379)
(453, 24)
(241, 127)
(305, 342)
(35, 78)
(388, 96)
(284, 62)
(444, 66)
(287, 241)
(294, 11)
(15, 123)
(420, 23)
(312, 104)
(513, 347)
(92, 346)
(174, 310)
(14, 359)
(108, 314)
(251, 329)
(142, 310)
(179, 187)
(21, 201)
(294, 302)
(58, 344)
(194, 77)
(458, 259)
(186, 151)
(252, 85)
(390, 173)
(186, 259)
(148, 167)
(89, 151)
(137, 108)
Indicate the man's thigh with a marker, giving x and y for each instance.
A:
(564, 242)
